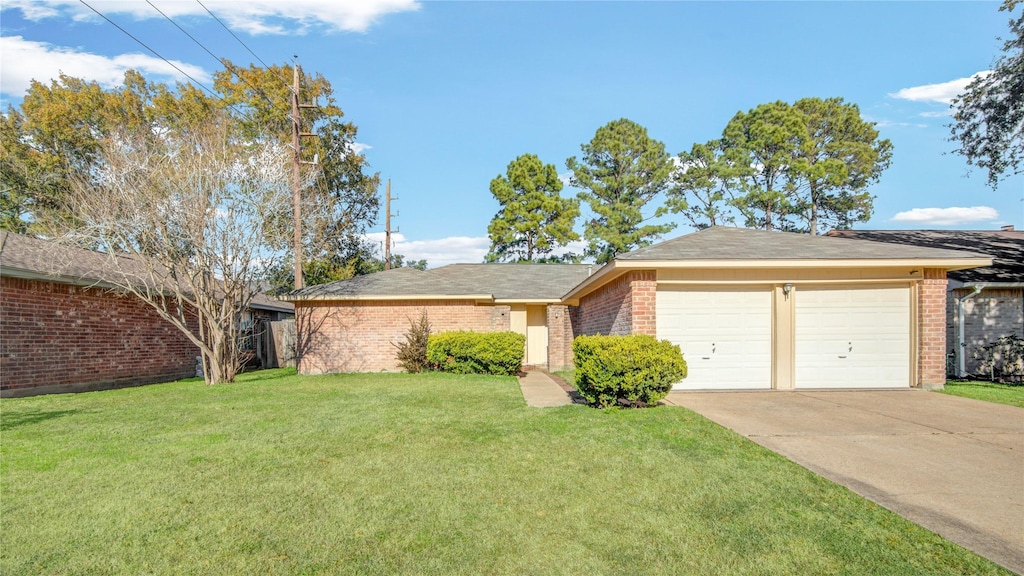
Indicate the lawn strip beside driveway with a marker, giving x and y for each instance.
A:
(953, 465)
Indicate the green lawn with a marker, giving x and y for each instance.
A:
(411, 474)
(987, 391)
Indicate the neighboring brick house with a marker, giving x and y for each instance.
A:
(63, 329)
(749, 309)
(982, 304)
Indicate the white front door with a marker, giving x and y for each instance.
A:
(725, 335)
(852, 337)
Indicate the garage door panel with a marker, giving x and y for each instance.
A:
(725, 335)
(853, 337)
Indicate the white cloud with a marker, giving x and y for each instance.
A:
(451, 250)
(947, 216)
(943, 92)
(25, 60)
(892, 123)
(253, 16)
(937, 114)
(444, 251)
(359, 147)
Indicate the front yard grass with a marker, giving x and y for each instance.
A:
(987, 391)
(418, 474)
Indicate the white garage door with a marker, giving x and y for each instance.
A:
(852, 337)
(725, 335)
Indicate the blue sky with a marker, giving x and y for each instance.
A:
(446, 94)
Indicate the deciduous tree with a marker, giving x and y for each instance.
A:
(534, 218)
(988, 118)
(185, 214)
(621, 170)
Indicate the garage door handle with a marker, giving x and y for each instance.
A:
(705, 357)
(842, 356)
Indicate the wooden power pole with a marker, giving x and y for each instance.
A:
(387, 226)
(296, 193)
(297, 135)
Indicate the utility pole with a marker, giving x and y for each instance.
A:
(387, 226)
(297, 135)
(296, 195)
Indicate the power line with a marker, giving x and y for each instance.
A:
(223, 62)
(244, 45)
(157, 54)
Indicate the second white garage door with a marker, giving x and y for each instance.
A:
(725, 335)
(853, 337)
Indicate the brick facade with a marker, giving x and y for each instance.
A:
(61, 338)
(931, 329)
(560, 335)
(358, 336)
(626, 305)
(992, 314)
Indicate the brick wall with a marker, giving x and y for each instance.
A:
(62, 338)
(931, 329)
(990, 315)
(560, 337)
(359, 336)
(626, 305)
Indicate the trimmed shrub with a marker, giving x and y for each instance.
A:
(476, 352)
(632, 370)
(412, 354)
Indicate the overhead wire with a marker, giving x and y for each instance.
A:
(234, 69)
(244, 45)
(157, 54)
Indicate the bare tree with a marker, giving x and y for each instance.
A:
(191, 218)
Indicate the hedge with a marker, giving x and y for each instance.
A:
(476, 352)
(635, 370)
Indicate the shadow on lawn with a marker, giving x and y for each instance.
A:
(10, 421)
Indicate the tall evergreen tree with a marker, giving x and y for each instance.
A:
(838, 157)
(622, 169)
(534, 218)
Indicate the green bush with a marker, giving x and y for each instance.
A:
(476, 352)
(633, 370)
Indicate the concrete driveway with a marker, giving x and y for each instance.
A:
(952, 465)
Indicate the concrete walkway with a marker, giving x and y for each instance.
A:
(540, 391)
(953, 465)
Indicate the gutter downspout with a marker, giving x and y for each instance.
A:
(961, 345)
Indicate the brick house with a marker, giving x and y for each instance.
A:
(749, 309)
(982, 304)
(63, 329)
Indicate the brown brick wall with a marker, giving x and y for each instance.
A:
(931, 329)
(59, 337)
(359, 336)
(625, 305)
(560, 337)
(644, 306)
(990, 315)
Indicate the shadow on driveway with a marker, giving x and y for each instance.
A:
(953, 465)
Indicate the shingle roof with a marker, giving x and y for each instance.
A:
(1005, 247)
(518, 281)
(27, 257)
(397, 282)
(500, 281)
(725, 243)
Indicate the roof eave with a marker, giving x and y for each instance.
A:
(478, 298)
(616, 268)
